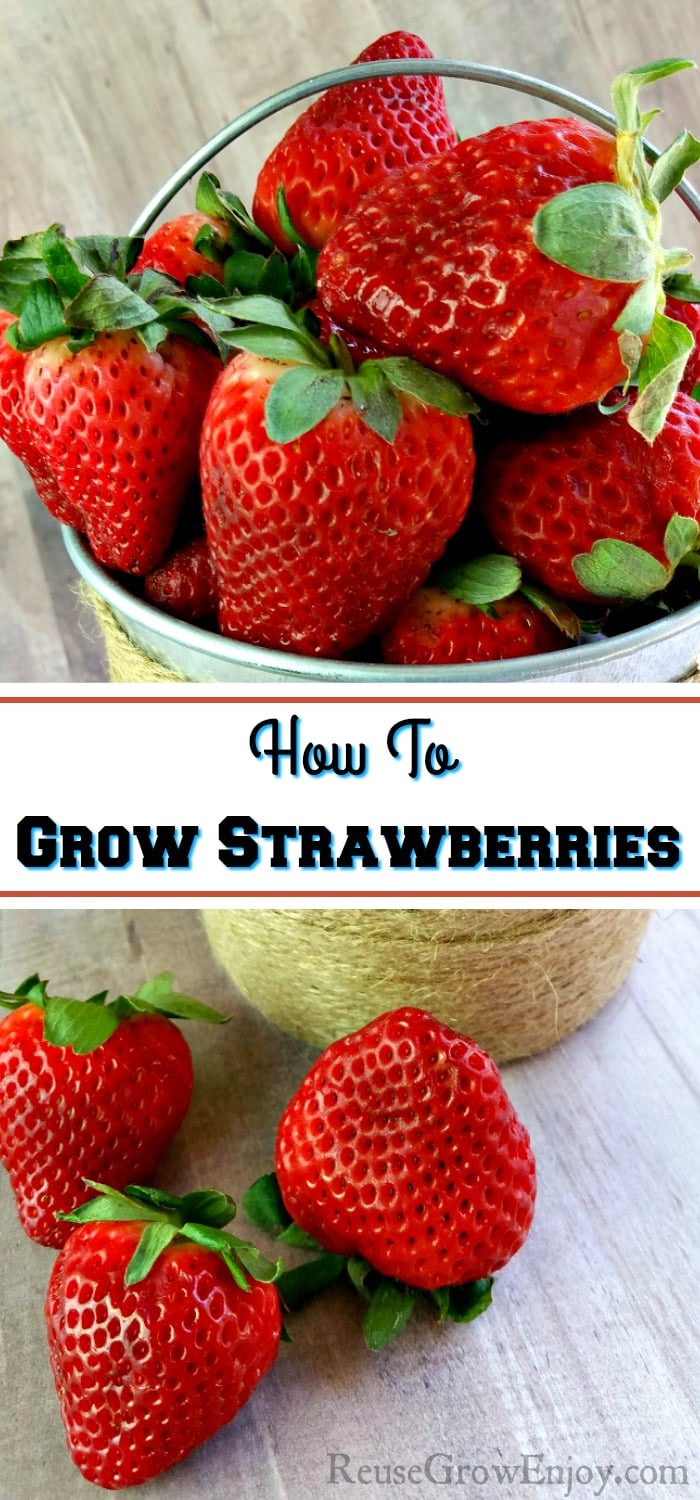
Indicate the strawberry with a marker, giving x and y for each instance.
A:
(157, 1336)
(88, 1088)
(350, 139)
(114, 388)
(402, 1152)
(479, 611)
(118, 427)
(508, 261)
(171, 248)
(326, 329)
(589, 487)
(14, 430)
(328, 492)
(185, 584)
(220, 250)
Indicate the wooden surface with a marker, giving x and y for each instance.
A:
(588, 1353)
(98, 104)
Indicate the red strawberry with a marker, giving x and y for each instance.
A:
(171, 249)
(118, 427)
(88, 1090)
(156, 1336)
(401, 1156)
(359, 348)
(590, 478)
(114, 388)
(185, 585)
(13, 428)
(507, 263)
(349, 140)
(327, 495)
(437, 629)
(689, 314)
(440, 264)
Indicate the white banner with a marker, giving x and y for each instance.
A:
(349, 798)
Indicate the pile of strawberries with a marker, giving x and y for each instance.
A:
(400, 1164)
(457, 414)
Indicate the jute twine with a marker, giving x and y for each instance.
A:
(514, 981)
(128, 663)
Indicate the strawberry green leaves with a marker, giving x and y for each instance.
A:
(85, 1025)
(157, 996)
(199, 1217)
(618, 570)
(322, 375)
(659, 374)
(251, 261)
(611, 232)
(390, 1303)
(76, 289)
(301, 399)
(670, 168)
(482, 580)
(597, 230)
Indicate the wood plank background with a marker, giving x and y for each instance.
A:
(99, 102)
(589, 1353)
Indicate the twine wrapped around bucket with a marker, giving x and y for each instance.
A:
(125, 661)
(515, 981)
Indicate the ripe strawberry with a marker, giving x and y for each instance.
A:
(327, 494)
(185, 584)
(458, 619)
(118, 427)
(114, 388)
(359, 348)
(402, 1151)
(171, 248)
(590, 478)
(13, 428)
(88, 1088)
(507, 263)
(156, 1336)
(350, 139)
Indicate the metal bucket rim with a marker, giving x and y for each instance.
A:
(443, 67)
(264, 658)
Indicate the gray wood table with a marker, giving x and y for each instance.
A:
(588, 1354)
(98, 104)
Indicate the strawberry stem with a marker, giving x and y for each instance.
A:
(84, 1025)
(199, 1217)
(390, 1303)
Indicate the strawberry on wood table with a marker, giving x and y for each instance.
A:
(160, 1323)
(402, 1160)
(89, 1089)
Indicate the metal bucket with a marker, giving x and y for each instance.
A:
(664, 651)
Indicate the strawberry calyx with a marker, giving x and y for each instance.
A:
(620, 570)
(683, 286)
(390, 1303)
(611, 231)
(484, 581)
(76, 289)
(252, 263)
(322, 375)
(199, 1217)
(84, 1025)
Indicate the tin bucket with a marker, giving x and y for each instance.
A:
(665, 651)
